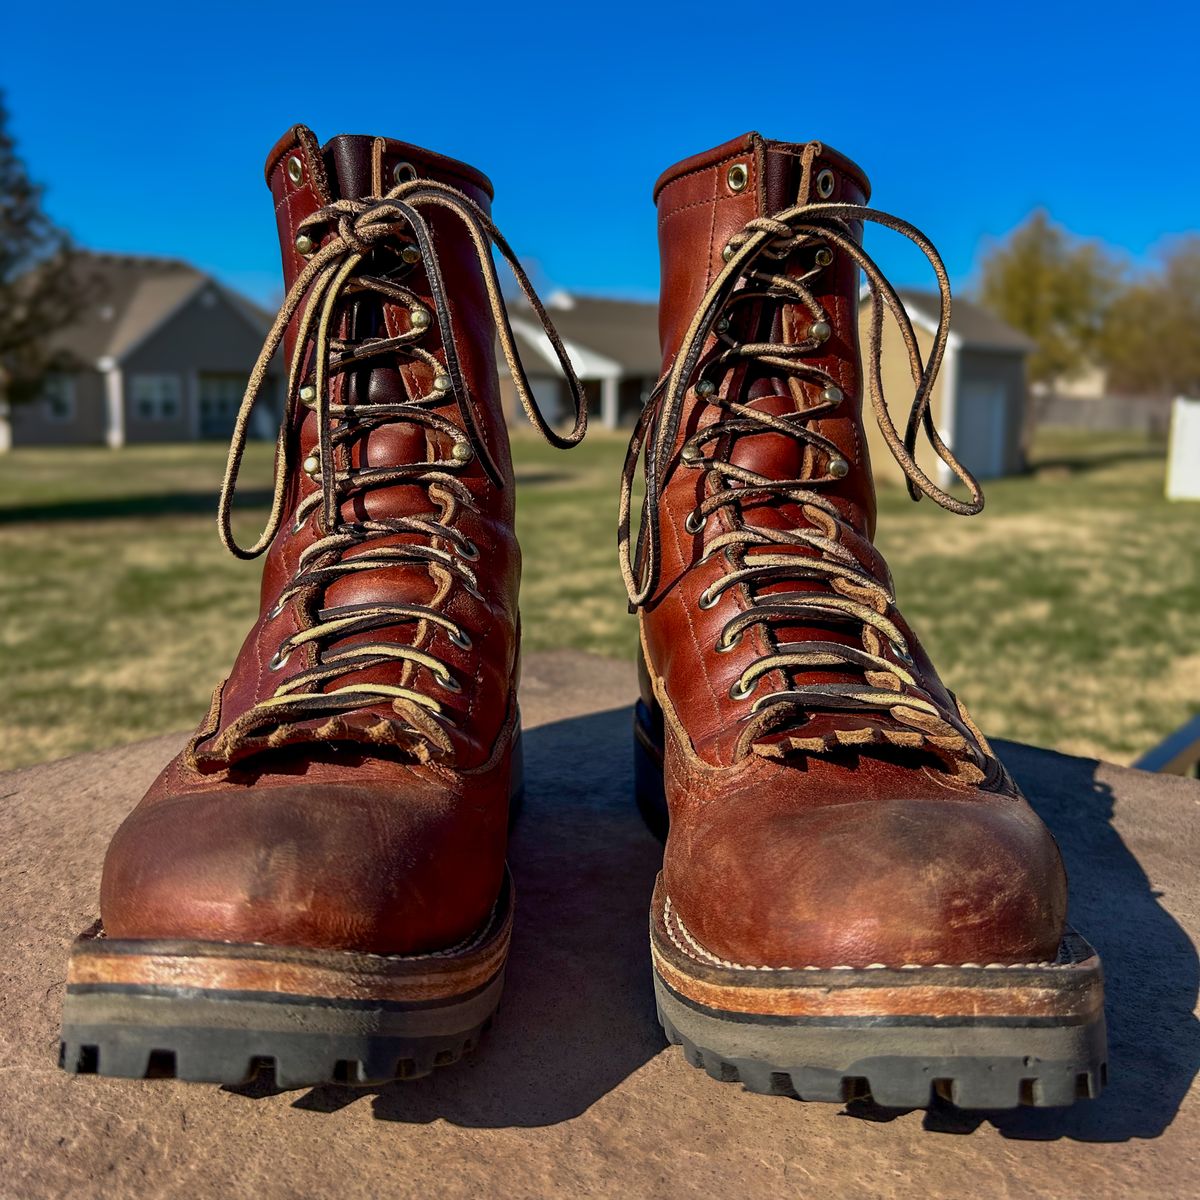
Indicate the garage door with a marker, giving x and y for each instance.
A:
(981, 428)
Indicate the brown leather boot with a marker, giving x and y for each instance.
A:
(319, 879)
(854, 894)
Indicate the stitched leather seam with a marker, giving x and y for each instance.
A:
(712, 166)
(665, 217)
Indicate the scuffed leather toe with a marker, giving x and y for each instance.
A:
(369, 867)
(761, 881)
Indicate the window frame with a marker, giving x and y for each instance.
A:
(150, 393)
(67, 397)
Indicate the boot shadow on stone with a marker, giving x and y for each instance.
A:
(578, 1012)
(1152, 973)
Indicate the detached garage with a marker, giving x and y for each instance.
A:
(981, 394)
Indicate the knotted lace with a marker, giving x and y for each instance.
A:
(849, 595)
(371, 244)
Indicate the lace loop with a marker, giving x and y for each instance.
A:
(360, 226)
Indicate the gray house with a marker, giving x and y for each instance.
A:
(159, 353)
(612, 344)
(980, 399)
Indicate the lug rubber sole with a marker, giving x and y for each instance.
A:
(216, 1012)
(987, 1037)
(977, 1036)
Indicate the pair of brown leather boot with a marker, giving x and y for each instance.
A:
(854, 896)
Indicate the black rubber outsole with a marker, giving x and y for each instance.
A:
(910, 1080)
(239, 1057)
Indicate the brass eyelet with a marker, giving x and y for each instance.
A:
(824, 256)
(737, 177)
(295, 168)
(707, 600)
(725, 647)
(738, 692)
(468, 550)
(404, 172)
(825, 183)
(901, 652)
(278, 610)
(694, 522)
(460, 639)
(279, 659)
(305, 245)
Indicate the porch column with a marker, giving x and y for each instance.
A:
(114, 402)
(610, 406)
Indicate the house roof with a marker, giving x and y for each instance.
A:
(129, 296)
(603, 337)
(972, 324)
(606, 337)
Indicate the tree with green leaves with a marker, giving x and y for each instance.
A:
(1152, 341)
(39, 292)
(1056, 289)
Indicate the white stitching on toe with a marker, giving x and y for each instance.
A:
(694, 950)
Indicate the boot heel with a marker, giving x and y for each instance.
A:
(648, 769)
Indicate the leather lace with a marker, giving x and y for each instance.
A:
(371, 244)
(848, 594)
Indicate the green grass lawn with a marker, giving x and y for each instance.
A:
(1068, 614)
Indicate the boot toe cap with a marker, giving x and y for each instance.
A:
(893, 882)
(372, 867)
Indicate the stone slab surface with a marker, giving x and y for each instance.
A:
(575, 1092)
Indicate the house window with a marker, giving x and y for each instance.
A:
(220, 399)
(155, 397)
(58, 398)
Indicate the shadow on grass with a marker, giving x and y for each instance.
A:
(111, 508)
(173, 504)
(1079, 464)
(578, 1015)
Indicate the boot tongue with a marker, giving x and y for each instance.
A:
(348, 163)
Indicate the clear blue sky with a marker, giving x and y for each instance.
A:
(149, 124)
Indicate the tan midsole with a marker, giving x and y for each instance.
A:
(286, 971)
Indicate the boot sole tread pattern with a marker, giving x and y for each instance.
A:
(230, 1014)
(906, 1082)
